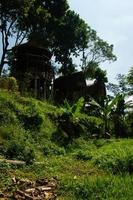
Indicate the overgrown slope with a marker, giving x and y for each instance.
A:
(85, 168)
(26, 127)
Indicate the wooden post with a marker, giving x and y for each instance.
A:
(35, 86)
(45, 89)
(52, 88)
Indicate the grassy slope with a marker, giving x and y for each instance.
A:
(25, 126)
(93, 169)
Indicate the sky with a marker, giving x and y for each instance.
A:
(113, 21)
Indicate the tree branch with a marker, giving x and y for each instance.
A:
(3, 40)
(24, 36)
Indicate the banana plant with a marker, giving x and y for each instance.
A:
(74, 109)
(112, 111)
(70, 117)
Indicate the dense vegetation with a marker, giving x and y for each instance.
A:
(86, 145)
(55, 27)
(86, 167)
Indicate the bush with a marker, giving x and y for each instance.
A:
(129, 124)
(68, 128)
(29, 117)
(19, 150)
(50, 148)
(93, 126)
(83, 155)
(7, 117)
(9, 83)
(31, 122)
(16, 143)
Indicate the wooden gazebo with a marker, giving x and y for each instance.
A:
(32, 68)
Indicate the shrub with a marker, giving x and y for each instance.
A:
(12, 84)
(93, 126)
(31, 122)
(61, 138)
(82, 155)
(17, 143)
(69, 120)
(19, 150)
(29, 117)
(3, 83)
(7, 117)
(50, 148)
(68, 128)
(9, 83)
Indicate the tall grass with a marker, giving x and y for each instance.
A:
(116, 157)
(99, 188)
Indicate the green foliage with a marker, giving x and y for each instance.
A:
(24, 126)
(129, 79)
(53, 25)
(16, 144)
(50, 149)
(130, 76)
(116, 157)
(92, 70)
(69, 126)
(112, 113)
(129, 124)
(84, 166)
(82, 155)
(73, 123)
(121, 87)
(97, 51)
(16, 150)
(17, 20)
(98, 188)
(71, 35)
(93, 126)
(7, 117)
(9, 83)
(74, 109)
(31, 121)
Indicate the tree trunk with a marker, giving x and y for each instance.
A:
(2, 61)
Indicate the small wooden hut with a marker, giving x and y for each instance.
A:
(32, 68)
(74, 86)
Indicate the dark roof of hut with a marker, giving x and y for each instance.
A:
(76, 76)
(33, 49)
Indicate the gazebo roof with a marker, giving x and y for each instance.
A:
(33, 48)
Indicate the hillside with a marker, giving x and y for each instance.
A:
(84, 168)
(26, 125)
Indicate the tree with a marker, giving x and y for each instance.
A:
(129, 79)
(74, 37)
(124, 85)
(55, 27)
(93, 71)
(21, 18)
(12, 15)
(70, 37)
(9, 12)
(121, 87)
(130, 76)
(97, 51)
(104, 112)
